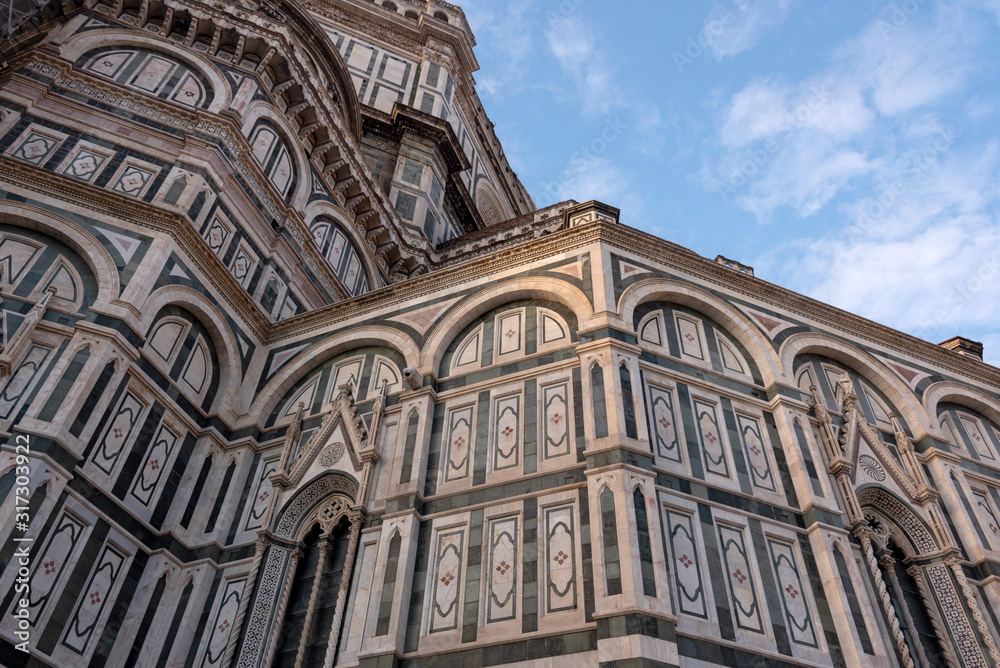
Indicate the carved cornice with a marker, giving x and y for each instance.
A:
(64, 76)
(142, 214)
(674, 257)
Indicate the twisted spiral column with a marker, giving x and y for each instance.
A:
(864, 534)
(889, 564)
(944, 641)
(956, 566)
(279, 617)
(234, 633)
(345, 585)
(324, 550)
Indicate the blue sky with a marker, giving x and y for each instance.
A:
(846, 150)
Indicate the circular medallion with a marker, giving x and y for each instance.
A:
(872, 468)
(332, 454)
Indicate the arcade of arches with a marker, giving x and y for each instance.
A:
(302, 377)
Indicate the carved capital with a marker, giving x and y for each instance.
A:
(864, 534)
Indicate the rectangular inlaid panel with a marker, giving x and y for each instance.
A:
(506, 432)
(509, 333)
(156, 463)
(755, 449)
(664, 422)
(978, 437)
(739, 576)
(686, 565)
(222, 622)
(555, 420)
(118, 434)
(458, 443)
(988, 516)
(793, 597)
(707, 417)
(446, 587)
(560, 559)
(690, 337)
(502, 572)
(95, 598)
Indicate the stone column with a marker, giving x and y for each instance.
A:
(864, 534)
(889, 564)
(279, 617)
(234, 633)
(324, 551)
(917, 573)
(345, 586)
(955, 564)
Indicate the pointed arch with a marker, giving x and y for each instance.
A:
(298, 510)
(911, 525)
(733, 321)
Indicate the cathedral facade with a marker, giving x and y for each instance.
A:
(295, 374)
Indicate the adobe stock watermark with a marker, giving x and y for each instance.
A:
(960, 296)
(890, 195)
(564, 9)
(754, 160)
(612, 130)
(899, 15)
(22, 551)
(713, 29)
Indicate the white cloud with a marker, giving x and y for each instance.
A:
(929, 264)
(914, 64)
(735, 26)
(802, 144)
(510, 29)
(597, 177)
(766, 108)
(912, 236)
(598, 84)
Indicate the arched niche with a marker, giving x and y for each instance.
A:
(475, 305)
(274, 156)
(183, 349)
(262, 114)
(150, 72)
(222, 339)
(363, 368)
(34, 263)
(79, 45)
(737, 325)
(91, 260)
(343, 253)
(900, 398)
(508, 332)
(306, 361)
(682, 332)
(963, 395)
